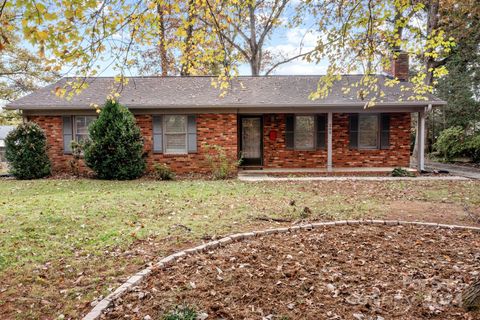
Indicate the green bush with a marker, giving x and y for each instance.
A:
(473, 148)
(114, 149)
(451, 143)
(161, 171)
(26, 152)
(221, 166)
(400, 172)
(181, 313)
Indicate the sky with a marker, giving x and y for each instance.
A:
(291, 42)
(284, 40)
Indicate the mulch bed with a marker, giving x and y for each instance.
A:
(348, 272)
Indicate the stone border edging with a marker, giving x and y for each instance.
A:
(134, 280)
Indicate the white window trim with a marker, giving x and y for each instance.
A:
(313, 148)
(377, 146)
(165, 134)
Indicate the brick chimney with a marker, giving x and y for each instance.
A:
(399, 65)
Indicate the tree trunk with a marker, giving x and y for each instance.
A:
(432, 25)
(254, 59)
(429, 62)
(471, 296)
(163, 42)
(186, 67)
(254, 65)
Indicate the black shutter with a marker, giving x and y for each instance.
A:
(67, 134)
(157, 134)
(192, 133)
(321, 131)
(289, 128)
(384, 131)
(353, 130)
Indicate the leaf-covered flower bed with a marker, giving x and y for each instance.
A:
(348, 272)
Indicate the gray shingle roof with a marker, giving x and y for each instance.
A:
(170, 92)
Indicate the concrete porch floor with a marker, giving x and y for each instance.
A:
(245, 171)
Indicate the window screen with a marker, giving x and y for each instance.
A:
(304, 136)
(368, 131)
(81, 124)
(175, 131)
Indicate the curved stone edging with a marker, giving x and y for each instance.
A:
(134, 280)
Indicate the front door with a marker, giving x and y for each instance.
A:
(251, 140)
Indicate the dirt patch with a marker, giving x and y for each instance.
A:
(351, 272)
(448, 213)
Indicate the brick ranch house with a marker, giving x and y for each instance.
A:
(269, 121)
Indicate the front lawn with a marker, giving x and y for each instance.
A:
(64, 243)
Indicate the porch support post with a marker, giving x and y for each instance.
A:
(421, 141)
(329, 142)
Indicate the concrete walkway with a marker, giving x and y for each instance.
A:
(462, 171)
(260, 178)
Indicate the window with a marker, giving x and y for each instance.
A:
(75, 128)
(304, 132)
(80, 127)
(175, 134)
(368, 131)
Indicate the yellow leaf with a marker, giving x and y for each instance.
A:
(42, 35)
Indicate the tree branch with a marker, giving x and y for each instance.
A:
(223, 35)
(289, 60)
(271, 19)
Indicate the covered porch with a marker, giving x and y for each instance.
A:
(330, 141)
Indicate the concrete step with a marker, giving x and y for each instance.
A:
(355, 171)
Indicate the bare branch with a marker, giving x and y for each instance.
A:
(289, 60)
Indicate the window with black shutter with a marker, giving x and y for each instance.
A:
(289, 127)
(369, 131)
(353, 131)
(305, 132)
(321, 131)
(384, 131)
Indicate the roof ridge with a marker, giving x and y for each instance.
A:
(211, 76)
(275, 90)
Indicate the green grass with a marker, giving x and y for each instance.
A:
(77, 235)
(50, 219)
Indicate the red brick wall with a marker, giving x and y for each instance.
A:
(212, 129)
(53, 127)
(277, 156)
(397, 155)
(219, 129)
